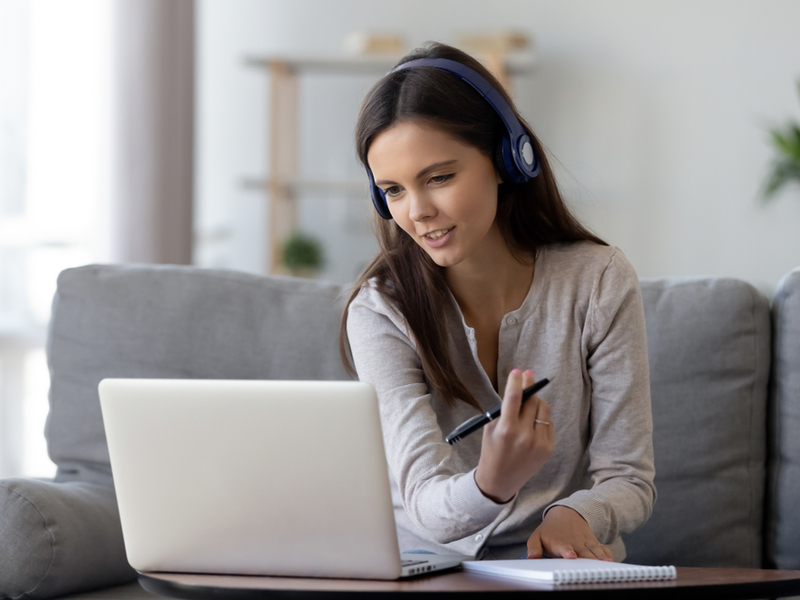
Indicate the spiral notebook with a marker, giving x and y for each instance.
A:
(562, 570)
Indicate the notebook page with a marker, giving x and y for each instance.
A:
(562, 570)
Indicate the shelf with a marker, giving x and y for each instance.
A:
(295, 188)
(514, 64)
(366, 65)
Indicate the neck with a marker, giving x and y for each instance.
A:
(496, 284)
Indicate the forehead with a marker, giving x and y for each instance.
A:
(413, 144)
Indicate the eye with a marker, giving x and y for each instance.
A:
(442, 178)
(392, 191)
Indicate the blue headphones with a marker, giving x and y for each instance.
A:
(517, 162)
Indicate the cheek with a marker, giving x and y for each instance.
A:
(483, 205)
(402, 221)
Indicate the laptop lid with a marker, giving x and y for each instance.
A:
(251, 477)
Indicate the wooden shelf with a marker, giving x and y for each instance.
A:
(296, 188)
(350, 66)
(514, 64)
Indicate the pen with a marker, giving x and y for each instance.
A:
(479, 421)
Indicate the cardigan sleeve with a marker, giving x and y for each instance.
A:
(436, 485)
(621, 463)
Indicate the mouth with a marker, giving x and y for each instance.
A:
(438, 234)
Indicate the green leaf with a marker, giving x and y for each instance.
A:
(783, 172)
(785, 168)
(302, 252)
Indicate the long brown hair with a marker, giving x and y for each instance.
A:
(529, 215)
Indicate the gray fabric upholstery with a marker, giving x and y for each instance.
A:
(59, 537)
(783, 490)
(709, 350)
(143, 321)
(175, 322)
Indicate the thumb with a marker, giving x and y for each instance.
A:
(535, 546)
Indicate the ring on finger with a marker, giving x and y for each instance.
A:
(542, 422)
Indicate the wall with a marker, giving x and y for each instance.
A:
(656, 111)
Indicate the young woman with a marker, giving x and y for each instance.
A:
(484, 279)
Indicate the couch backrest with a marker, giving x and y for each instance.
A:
(175, 322)
(709, 345)
(783, 489)
(709, 351)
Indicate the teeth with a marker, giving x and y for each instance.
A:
(435, 235)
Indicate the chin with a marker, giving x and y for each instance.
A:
(445, 257)
(443, 261)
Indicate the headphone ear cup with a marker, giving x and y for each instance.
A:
(378, 197)
(379, 200)
(504, 162)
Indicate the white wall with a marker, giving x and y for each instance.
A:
(656, 110)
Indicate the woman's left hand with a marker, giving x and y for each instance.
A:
(565, 534)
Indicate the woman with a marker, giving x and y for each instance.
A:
(483, 279)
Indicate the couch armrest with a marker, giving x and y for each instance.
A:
(57, 538)
(782, 531)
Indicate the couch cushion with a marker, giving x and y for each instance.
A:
(175, 322)
(783, 490)
(50, 532)
(709, 350)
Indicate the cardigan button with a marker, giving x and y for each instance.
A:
(511, 321)
(479, 537)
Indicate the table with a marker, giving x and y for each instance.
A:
(692, 582)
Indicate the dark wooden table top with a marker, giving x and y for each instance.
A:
(691, 582)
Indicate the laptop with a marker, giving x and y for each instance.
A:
(278, 478)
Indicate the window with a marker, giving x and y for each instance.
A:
(54, 122)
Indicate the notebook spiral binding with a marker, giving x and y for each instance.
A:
(614, 575)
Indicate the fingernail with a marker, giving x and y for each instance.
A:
(516, 371)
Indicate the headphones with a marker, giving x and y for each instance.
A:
(516, 160)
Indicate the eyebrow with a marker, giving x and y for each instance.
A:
(423, 172)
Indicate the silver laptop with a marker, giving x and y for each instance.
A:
(284, 478)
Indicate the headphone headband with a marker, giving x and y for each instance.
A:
(519, 160)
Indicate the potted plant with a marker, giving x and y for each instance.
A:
(302, 255)
(785, 166)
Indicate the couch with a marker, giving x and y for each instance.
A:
(725, 371)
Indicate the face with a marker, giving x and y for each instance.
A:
(439, 190)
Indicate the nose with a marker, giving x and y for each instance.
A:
(421, 207)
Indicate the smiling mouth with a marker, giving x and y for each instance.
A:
(438, 234)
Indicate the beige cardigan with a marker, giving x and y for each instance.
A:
(582, 326)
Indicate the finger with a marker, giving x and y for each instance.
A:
(566, 551)
(560, 549)
(594, 550)
(527, 378)
(600, 552)
(531, 405)
(535, 546)
(512, 399)
(543, 419)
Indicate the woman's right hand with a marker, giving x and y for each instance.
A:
(517, 444)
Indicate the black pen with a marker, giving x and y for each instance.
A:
(479, 421)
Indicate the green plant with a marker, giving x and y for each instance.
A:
(302, 253)
(786, 164)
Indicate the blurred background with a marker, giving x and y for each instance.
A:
(220, 133)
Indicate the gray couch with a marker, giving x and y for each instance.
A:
(725, 369)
